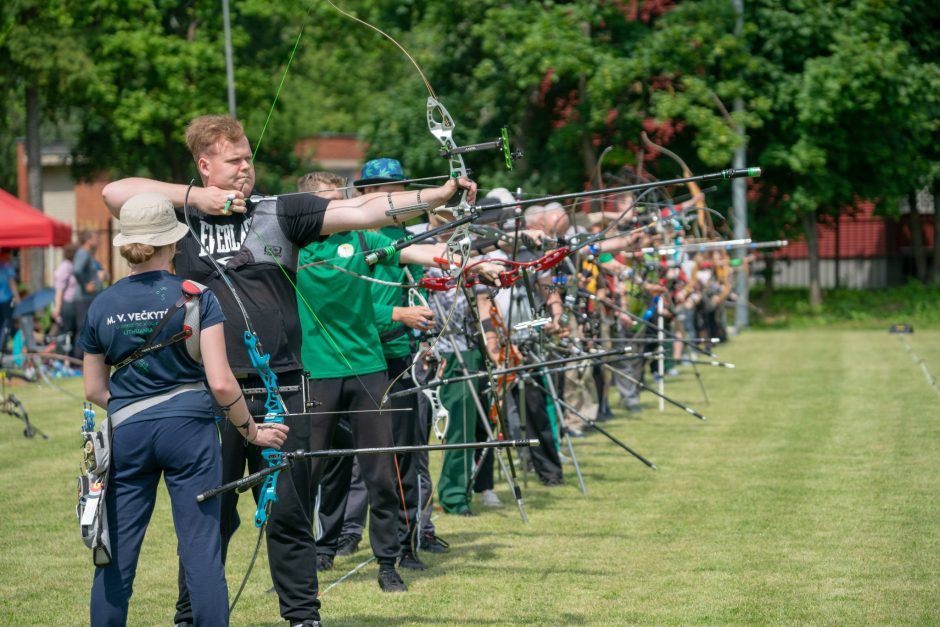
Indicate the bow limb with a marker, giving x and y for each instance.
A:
(440, 414)
(441, 126)
(703, 219)
(275, 410)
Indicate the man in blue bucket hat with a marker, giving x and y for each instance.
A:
(382, 170)
(412, 427)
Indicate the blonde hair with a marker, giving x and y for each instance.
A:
(319, 181)
(206, 131)
(139, 253)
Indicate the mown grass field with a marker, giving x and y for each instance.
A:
(811, 495)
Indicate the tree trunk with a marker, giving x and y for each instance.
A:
(768, 273)
(838, 225)
(917, 238)
(812, 245)
(34, 181)
(935, 268)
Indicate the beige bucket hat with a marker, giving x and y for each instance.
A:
(149, 218)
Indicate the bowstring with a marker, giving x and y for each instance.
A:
(319, 322)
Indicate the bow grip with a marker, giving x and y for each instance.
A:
(552, 259)
(435, 283)
(459, 197)
(508, 278)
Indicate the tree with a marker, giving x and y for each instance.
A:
(834, 111)
(41, 60)
(160, 64)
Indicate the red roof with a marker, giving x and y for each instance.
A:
(326, 147)
(861, 234)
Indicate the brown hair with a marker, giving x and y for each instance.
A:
(138, 253)
(85, 235)
(68, 251)
(204, 132)
(319, 181)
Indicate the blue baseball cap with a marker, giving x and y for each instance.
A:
(382, 170)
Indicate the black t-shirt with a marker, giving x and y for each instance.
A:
(260, 283)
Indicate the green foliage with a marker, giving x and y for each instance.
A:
(841, 99)
(159, 64)
(41, 48)
(912, 303)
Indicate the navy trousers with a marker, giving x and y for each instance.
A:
(292, 554)
(187, 453)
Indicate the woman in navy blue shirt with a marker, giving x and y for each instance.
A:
(161, 411)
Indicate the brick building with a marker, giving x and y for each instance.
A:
(858, 250)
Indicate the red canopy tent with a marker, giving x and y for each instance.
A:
(22, 226)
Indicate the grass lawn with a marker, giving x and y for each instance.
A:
(810, 495)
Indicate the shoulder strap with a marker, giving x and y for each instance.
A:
(191, 291)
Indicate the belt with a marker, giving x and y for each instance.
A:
(133, 409)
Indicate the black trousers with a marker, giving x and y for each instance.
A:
(369, 427)
(484, 478)
(292, 553)
(422, 470)
(407, 431)
(545, 457)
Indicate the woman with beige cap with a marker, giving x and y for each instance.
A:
(163, 338)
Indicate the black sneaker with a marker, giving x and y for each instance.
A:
(390, 580)
(348, 544)
(410, 561)
(324, 562)
(433, 544)
(307, 623)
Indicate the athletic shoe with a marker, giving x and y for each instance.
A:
(433, 544)
(410, 561)
(307, 623)
(390, 580)
(672, 372)
(324, 562)
(488, 498)
(347, 544)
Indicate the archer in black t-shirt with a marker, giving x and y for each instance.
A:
(258, 239)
